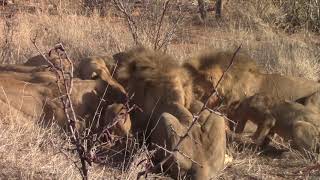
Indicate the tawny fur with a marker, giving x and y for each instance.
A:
(164, 91)
(313, 101)
(92, 68)
(56, 56)
(290, 120)
(206, 145)
(36, 70)
(158, 83)
(32, 77)
(118, 116)
(40, 101)
(243, 79)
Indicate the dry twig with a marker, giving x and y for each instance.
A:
(66, 80)
(157, 39)
(131, 22)
(137, 27)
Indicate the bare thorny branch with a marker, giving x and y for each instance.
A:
(98, 140)
(131, 22)
(194, 121)
(66, 80)
(157, 39)
(167, 37)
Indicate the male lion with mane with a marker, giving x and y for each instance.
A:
(159, 85)
(163, 89)
(243, 80)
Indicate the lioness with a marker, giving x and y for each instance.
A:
(36, 69)
(290, 120)
(40, 101)
(92, 68)
(117, 117)
(32, 77)
(55, 56)
(38, 63)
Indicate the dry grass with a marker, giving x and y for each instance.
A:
(31, 152)
(277, 161)
(297, 54)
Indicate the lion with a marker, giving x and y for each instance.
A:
(88, 67)
(92, 68)
(290, 120)
(32, 77)
(40, 101)
(208, 68)
(159, 85)
(163, 90)
(20, 68)
(105, 61)
(55, 56)
(38, 63)
(118, 118)
(242, 80)
(201, 154)
(37, 60)
(35, 69)
(95, 67)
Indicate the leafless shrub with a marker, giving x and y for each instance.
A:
(89, 6)
(299, 14)
(154, 24)
(7, 43)
(65, 79)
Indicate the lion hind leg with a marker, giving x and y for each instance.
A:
(305, 136)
